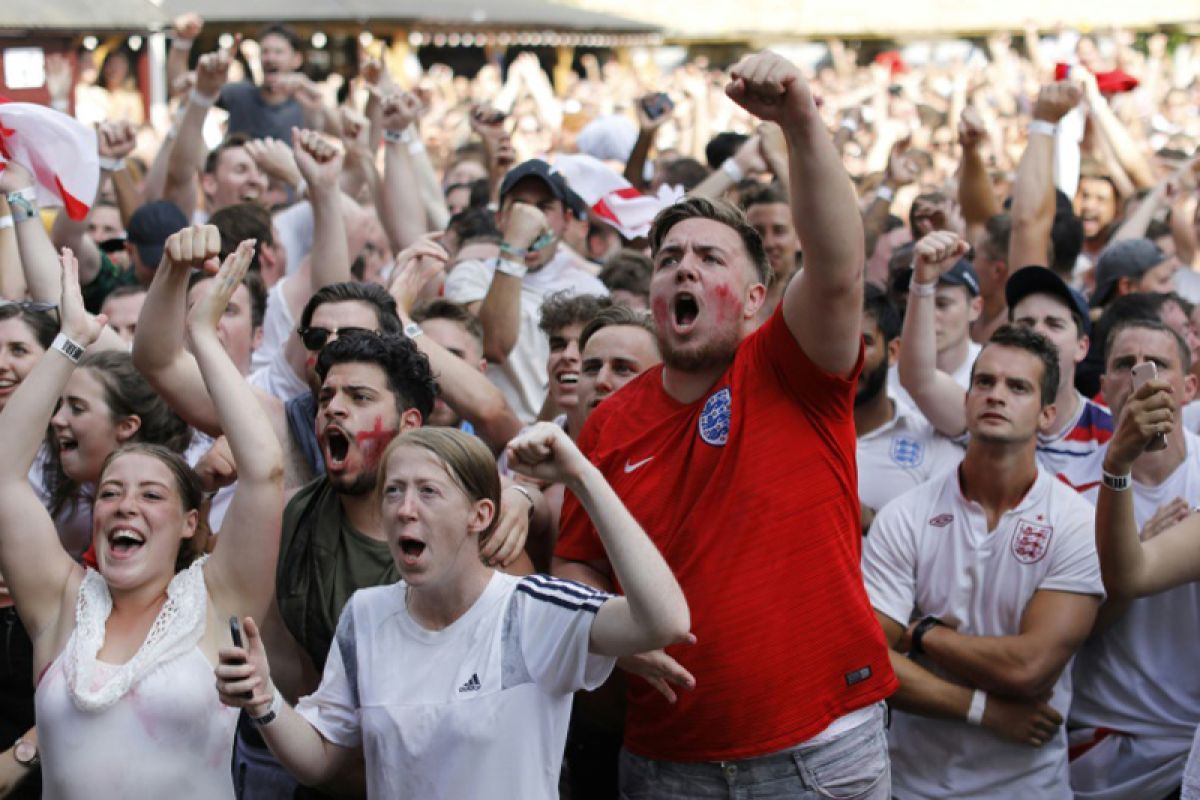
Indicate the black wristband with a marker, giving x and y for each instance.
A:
(919, 633)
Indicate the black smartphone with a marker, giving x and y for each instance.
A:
(657, 104)
(235, 631)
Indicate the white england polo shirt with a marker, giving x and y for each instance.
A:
(930, 553)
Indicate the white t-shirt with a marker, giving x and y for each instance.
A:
(478, 709)
(294, 225)
(962, 376)
(1140, 676)
(930, 553)
(900, 455)
(1191, 416)
(522, 377)
(277, 327)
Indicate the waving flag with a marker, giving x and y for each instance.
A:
(59, 150)
(610, 197)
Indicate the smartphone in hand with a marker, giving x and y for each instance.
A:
(235, 633)
(657, 104)
(1142, 374)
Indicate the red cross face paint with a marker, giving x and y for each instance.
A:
(356, 418)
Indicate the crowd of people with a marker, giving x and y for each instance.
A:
(774, 431)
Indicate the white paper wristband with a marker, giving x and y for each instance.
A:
(885, 193)
(513, 268)
(68, 347)
(922, 289)
(6, 221)
(202, 100)
(731, 168)
(1040, 127)
(978, 704)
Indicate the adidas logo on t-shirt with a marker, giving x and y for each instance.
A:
(472, 685)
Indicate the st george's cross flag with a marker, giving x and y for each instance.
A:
(59, 150)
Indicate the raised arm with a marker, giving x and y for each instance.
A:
(975, 193)
(32, 560)
(653, 613)
(158, 342)
(184, 30)
(188, 150)
(648, 128)
(901, 171)
(320, 163)
(747, 162)
(241, 571)
(43, 273)
(497, 146)
(1131, 567)
(465, 389)
(12, 277)
(1127, 151)
(1033, 202)
(823, 305)
(115, 141)
(399, 201)
(500, 311)
(936, 393)
(1027, 665)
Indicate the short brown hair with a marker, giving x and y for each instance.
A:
(718, 211)
(441, 308)
(616, 315)
(564, 308)
(468, 462)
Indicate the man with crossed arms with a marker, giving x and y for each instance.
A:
(996, 563)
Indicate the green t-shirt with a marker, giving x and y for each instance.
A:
(108, 278)
(322, 561)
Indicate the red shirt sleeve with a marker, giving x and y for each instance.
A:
(773, 348)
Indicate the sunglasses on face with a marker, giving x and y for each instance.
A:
(316, 338)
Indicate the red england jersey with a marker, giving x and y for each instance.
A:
(751, 495)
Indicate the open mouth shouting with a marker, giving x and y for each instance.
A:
(66, 444)
(411, 550)
(336, 445)
(685, 309)
(124, 542)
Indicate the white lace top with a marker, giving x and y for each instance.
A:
(152, 727)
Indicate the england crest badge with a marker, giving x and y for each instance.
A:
(715, 417)
(1030, 541)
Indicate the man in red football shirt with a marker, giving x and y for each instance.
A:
(737, 456)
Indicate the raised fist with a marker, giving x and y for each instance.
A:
(400, 109)
(115, 139)
(771, 88)
(971, 131)
(1054, 100)
(524, 225)
(187, 26)
(935, 253)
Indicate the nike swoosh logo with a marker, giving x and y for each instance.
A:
(630, 467)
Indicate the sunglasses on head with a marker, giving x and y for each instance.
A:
(27, 305)
(316, 338)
